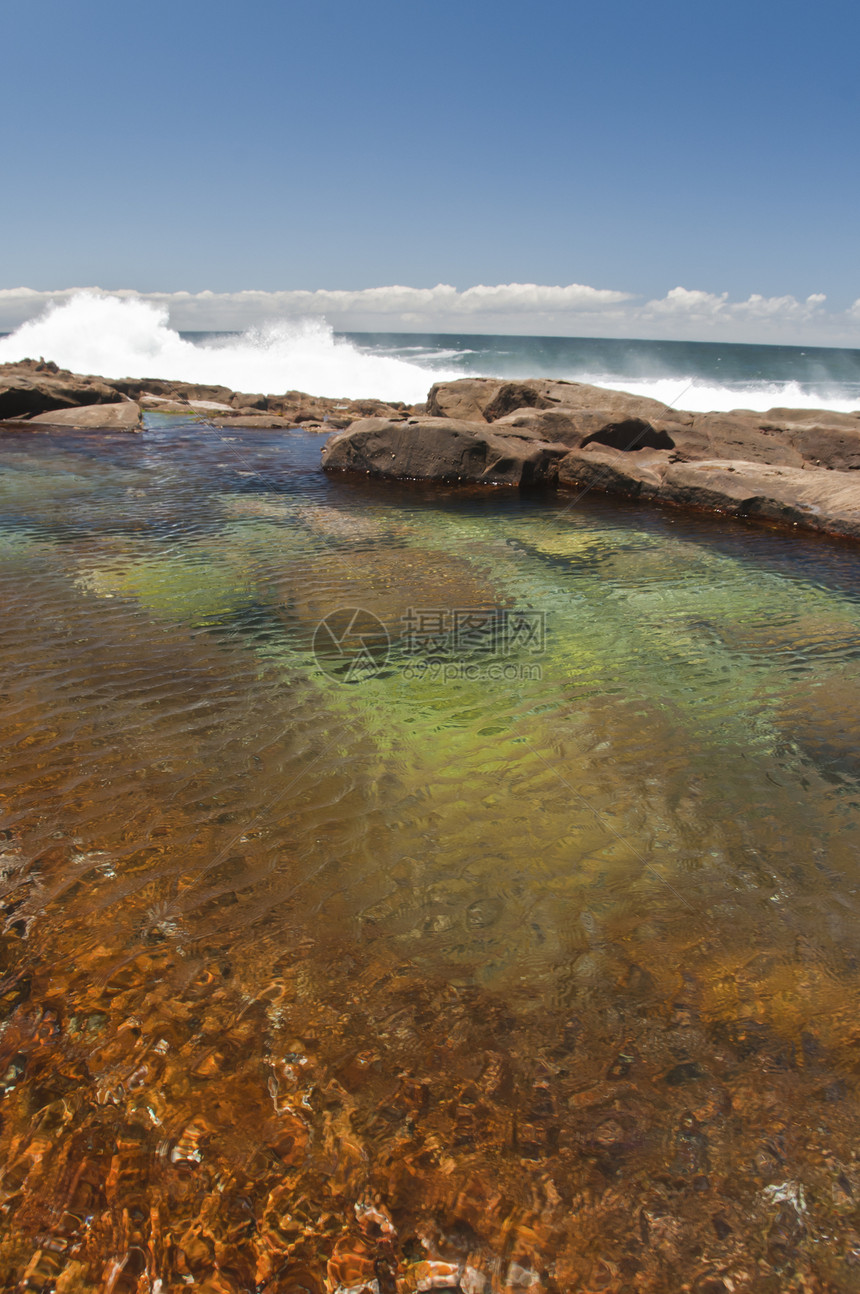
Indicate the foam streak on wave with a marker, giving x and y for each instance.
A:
(117, 338)
(702, 396)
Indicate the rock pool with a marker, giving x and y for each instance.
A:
(521, 954)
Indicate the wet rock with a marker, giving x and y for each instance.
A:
(823, 719)
(340, 524)
(816, 500)
(691, 1157)
(621, 1066)
(483, 913)
(31, 388)
(787, 466)
(721, 1227)
(430, 1275)
(351, 1266)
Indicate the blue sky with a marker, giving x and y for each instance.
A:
(279, 146)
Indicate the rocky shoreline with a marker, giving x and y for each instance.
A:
(795, 467)
(38, 393)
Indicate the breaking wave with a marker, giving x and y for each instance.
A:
(115, 337)
(702, 396)
(125, 337)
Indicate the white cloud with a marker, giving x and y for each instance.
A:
(530, 308)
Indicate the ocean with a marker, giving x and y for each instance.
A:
(131, 338)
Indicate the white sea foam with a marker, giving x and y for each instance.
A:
(126, 337)
(702, 396)
(116, 337)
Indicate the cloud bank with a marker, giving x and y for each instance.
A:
(526, 308)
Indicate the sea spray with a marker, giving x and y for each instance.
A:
(116, 337)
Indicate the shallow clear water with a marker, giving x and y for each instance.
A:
(540, 945)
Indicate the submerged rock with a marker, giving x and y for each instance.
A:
(388, 583)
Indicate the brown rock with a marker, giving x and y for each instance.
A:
(812, 418)
(33, 387)
(243, 401)
(382, 583)
(735, 435)
(575, 427)
(258, 421)
(828, 446)
(638, 474)
(124, 416)
(162, 403)
(816, 499)
(464, 400)
(488, 399)
(445, 450)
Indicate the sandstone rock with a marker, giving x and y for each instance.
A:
(33, 387)
(124, 416)
(442, 449)
(211, 406)
(464, 400)
(488, 399)
(735, 435)
(817, 500)
(826, 445)
(812, 418)
(241, 400)
(259, 421)
(575, 427)
(637, 474)
(162, 403)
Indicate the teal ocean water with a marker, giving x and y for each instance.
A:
(702, 375)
